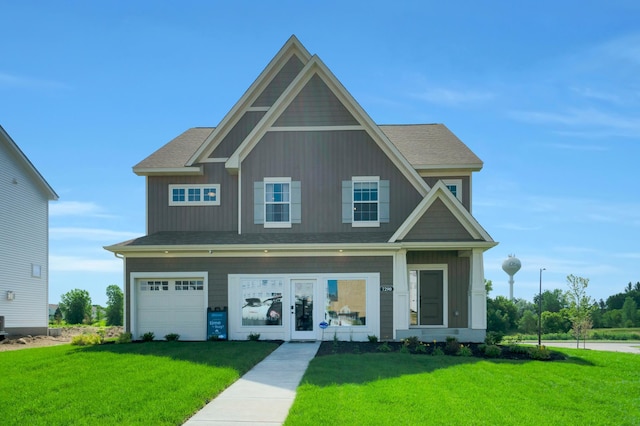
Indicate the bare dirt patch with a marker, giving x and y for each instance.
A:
(15, 342)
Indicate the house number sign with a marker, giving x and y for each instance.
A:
(386, 288)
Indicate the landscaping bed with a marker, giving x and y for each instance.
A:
(478, 350)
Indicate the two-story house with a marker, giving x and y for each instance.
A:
(24, 242)
(303, 219)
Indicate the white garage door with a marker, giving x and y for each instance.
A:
(167, 306)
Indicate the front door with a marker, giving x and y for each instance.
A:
(431, 298)
(302, 321)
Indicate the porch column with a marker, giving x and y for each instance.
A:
(400, 292)
(477, 293)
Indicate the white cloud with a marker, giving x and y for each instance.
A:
(76, 208)
(579, 147)
(82, 264)
(442, 96)
(91, 234)
(13, 81)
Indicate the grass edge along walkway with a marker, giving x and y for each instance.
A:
(595, 388)
(156, 383)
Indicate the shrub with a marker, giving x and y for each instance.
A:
(254, 337)
(421, 348)
(148, 336)
(372, 338)
(539, 353)
(86, 340)
(385, 347)
(411, 343)
(520, 349)
(452, 346)
(124, 338)
(404, 349)
(437, 351)
(172, 337)
(464, 351)
(492, 351)
(493, 338)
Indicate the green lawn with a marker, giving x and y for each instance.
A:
(590, 388)
(159, 383)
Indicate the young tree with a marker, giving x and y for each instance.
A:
(57, 316)
(580, 306)
(629, 313)
(76, 306)
(115, 305)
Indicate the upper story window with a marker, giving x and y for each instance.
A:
(194, 195)
(455, 186)
(365, 201)
(277, 202)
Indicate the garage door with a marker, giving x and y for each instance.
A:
(167, 306)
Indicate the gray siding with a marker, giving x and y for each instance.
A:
(316, 105)
(466, 187)
(321, 161)
(224, 217)
(438, 224)
(234, 138)
(459, 277)
(280, 82)
(220, 268)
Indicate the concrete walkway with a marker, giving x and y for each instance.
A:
(264, 395)
(629, 347)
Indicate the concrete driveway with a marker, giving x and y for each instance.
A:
(629, 347)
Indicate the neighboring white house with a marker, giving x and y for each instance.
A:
(24, 241)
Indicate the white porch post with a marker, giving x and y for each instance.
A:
(400, 292)
(477, 293)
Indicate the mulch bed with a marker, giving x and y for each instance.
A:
(335, 348)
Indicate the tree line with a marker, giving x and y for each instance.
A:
(76, 308)
(564, 311)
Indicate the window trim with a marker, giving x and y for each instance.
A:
(457, 183)
(275, 180)
(364, 223)
(201, 187)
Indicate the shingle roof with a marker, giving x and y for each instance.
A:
(177, 238)
(431, 146)
(177, 152)
(423, 145)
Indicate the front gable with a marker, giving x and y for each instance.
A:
(440, 217)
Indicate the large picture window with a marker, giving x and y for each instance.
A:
(346, 303)
(194, 195)
(262, 301)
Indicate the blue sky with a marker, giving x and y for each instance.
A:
(546, 93)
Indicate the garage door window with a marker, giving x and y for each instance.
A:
(191, 285)
(154, 285)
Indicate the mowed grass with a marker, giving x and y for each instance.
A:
(158, 383)
(589, 388)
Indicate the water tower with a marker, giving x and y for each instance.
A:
(511, 265)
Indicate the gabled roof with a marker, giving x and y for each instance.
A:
(316, 67)
(441, 192)
(22, 159)
(291, 47)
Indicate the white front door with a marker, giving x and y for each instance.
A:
(303, 325)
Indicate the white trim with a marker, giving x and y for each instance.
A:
(284, 331)
(215, 160)
(364, 223)
(258, 108)
(135, 276)
(316, 67)
(173, 171)
(445, 292)
(314, 128)
(201, 187)
(276, 180)
(291, 47)
(440, 191)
